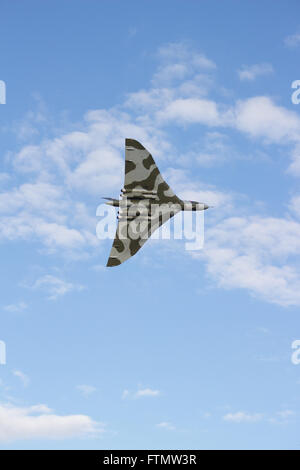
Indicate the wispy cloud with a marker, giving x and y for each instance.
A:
(125, 394)
(147, 392)
(251, 72)
(55, 286)
(293, 40)
(284, 414)
(15, 308)
(141, 393)
(166, 425)
(23, 377)
(132, 32)
(294, 205)
(282, 417)
(86, 390)
(243, 417)
(183, 52)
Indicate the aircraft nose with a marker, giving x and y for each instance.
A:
(206, 206)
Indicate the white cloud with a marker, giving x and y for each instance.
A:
(293, 40)
(40, 197)
(86, 390)
(56, 235)
(55, 286)
(184, 53)
(91, 160)
(166, 425)
(170, 72)
(294, 168)
(149, 99)
(182, 73)
(294, 205)
(147, 392)
(196, 86)
(30, 125)
(41, 211)
(189, 110)
(213, 148)
(100, 169)
(260, 117)
(255, 253)
(15, 308)
(141, 393)
(39, 422)
(23, 377)
(189, 190)
(242, 417)
(251, 72)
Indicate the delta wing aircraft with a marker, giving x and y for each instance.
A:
(146, 203)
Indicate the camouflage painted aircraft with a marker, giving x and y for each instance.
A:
(146, 203)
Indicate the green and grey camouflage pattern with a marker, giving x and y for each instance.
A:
(146, 203)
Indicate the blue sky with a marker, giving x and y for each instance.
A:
(173, 349)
